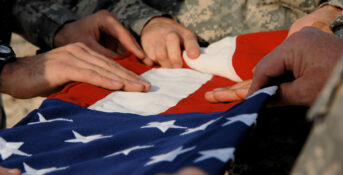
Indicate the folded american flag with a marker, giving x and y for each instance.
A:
(164, 130)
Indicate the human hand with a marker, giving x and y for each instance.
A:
(42, 74)
(6, 171)
(188, 171)
(162, 40)
(89, 30)
(320, 18)
(310, 55)
(230, 93)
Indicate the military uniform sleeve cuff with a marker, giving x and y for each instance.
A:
(138, 24)
(337, 25)
(336, 3)
(56, 21)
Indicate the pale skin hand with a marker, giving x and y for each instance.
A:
(240, 90)
(310, 55)
(89, 29)
(188, 171)
(162, 40)
(304, 90)
(6, 171)
(324, 15)
(43, 74)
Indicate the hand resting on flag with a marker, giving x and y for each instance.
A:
(310, 55)
(321, 19)
(6, 171)
(162, 39)
(43, 74)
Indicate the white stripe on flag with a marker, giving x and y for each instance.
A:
(169, 86)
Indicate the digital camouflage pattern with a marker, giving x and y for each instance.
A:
(337, 25)
(39, 20)
(322, 153)
(214, 19)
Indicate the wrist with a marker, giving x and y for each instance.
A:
(61, 36)
(6, 78)
(330, 12)
(158, 19)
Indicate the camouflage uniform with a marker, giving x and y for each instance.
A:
(5, 35)
(337, 25)
(322, 153)
(215, 19)
(5, 18)
(39, 20)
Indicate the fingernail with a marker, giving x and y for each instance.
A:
(208, 93)
(142, 81)
(146, 84)
(217, 89)
(193, 54)
(116, 83)
(136, 83)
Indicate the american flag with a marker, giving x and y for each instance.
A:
(87, 130)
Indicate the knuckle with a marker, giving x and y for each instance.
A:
(106, 17)
(63, 56)
(161, 55)
(103, 13)
(172, 36)
(189, 34)
(91, 74)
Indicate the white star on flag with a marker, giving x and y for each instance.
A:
(200, 128)
(9, 148)
(169, 157)
(85, 139)
(223, 154)
(129, 150)
(268, 90)
(247, 119)
(31, 171)
(163, 126)
(43, 120)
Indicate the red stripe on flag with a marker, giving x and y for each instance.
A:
(251, 48)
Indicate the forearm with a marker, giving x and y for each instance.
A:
(134, 14)
(38, 21)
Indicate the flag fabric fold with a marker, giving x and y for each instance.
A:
(84, 129)
(64, 138)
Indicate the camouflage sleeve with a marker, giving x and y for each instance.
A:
(337, 25)
(134, 14)
(38, 21)
(336, 3)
